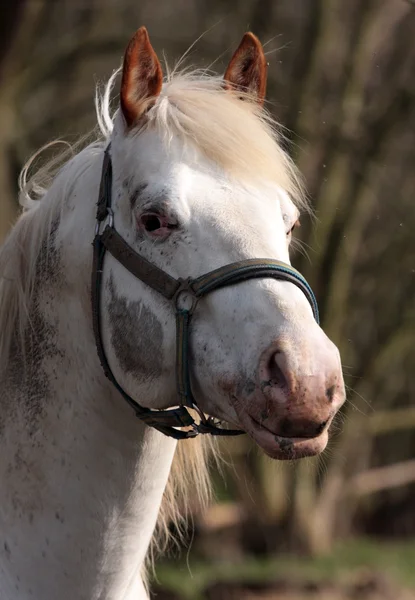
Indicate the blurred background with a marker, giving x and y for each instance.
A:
(342, 83)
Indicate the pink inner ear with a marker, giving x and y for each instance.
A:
(247, 70)
(142, 78)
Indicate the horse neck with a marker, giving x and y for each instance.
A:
(81, 479)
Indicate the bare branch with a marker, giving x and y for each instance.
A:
(376, 480)
(383, 422)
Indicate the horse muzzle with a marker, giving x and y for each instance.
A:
(299, 389)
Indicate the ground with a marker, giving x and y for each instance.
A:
(360, 570)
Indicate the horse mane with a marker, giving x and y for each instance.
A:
(229, 128)
(240, 136)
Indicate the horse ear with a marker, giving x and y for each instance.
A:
(142, 78)
(247, 70)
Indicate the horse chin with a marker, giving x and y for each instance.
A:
(283, 448)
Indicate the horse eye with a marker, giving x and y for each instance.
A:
(151, 222)
(156, 224)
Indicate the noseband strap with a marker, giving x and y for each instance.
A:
(180, 292)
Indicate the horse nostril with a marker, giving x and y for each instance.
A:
(276, 375)
(330, 391)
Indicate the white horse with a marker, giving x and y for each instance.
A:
(198, 181)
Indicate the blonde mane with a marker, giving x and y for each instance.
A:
(238, 135)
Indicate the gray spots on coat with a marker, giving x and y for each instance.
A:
(26, 372)
(136, 335)
(49, 260)
(7, 550)
(39, 342)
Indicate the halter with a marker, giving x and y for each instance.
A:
(179, 292)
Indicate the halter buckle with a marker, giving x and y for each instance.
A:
(193, 432)
(201, 414)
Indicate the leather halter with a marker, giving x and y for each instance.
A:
(170, 421)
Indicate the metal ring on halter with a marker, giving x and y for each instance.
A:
(184, 292)
(109, 220)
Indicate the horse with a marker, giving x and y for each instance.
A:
(134, 284)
